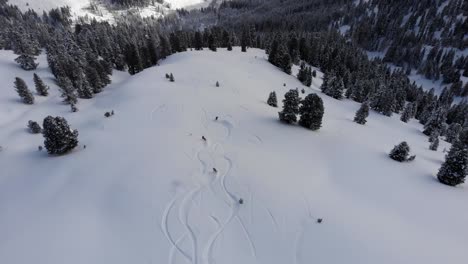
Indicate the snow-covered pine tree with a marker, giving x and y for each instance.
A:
(455, 168)
(68, 91)
(407, 113)
(272, 101)
(362, 114)
(59, 137)
(41, 88)
(434, 144)
(23, 91)
(383, 100)
(435, 122)
(26, 62)
(302, 74)
(311, 111)
(434, 135)
(335, 87)
(400, 152)
(198, 41)
(452, 132)
(34, 127)
(290, 107)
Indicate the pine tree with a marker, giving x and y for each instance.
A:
(308, 81)
(455, 168)
(59, 138)
(383, 101)
(400, 152)
(217, 84)
(452, 132)
(34, 127)
(171, 78)
(290, 107)
(23, 91)
(407, 113)
(302, 75)
(434, 144)
(198, 41)
(68, 91)
(335, 87)
(41, 88)
(27, 62)
(272, 101)
(362, 114)
(212, 43)
(311, 111)
(435, 122)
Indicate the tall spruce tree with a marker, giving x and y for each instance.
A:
(455, 168)
(23, 91)
(452, 132)
(290, 107)
(335, 87)
(41, 88)
(362, 114)
(59, 137)
(435, 122)
(311, 111)
(434, 144)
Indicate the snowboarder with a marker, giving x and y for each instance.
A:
(241, 201)
(216, 119)
(204, 138)
(319, 220)
(215, 170)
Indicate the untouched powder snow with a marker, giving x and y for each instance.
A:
(144, 190)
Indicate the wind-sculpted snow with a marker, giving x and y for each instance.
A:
(148, 189)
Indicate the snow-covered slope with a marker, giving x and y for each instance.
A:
(100, 11)
(143, 190)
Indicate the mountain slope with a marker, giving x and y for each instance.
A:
(143, 190)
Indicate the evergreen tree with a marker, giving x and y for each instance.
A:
(407, 113)
(290, 107)
(34, 127)
(455, 168)
(26, 62)
(59, 138)
(311, 111)
(335, 87)
(198, 41)
(217, 84)
(23, 91)
(212, 42)
(400, 152)
(272, 101)
(41, 88)
(68, 91)
(171, 78)
(302, 75)
(383, 101)
(362, 114)
(308, 81)
(452, 132)
(134, 62)
(435, 123)
(434, 144)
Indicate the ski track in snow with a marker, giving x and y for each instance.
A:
(215, 149)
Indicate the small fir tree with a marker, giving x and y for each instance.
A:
(362, 114)
(407, 113)
(34, 127)
(272, 101)
(41, 88)
(434, 144)
(400, 152)
(23, 91)
(290, 107)
(171, 77)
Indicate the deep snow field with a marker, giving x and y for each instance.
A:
(143, 191)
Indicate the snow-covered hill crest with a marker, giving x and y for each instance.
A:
(144, 189)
